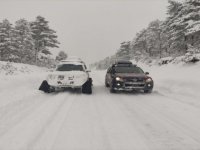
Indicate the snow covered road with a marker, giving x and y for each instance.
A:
(166, 119)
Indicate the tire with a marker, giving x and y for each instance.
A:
(106, 84)
(90, 80)
(147, 91)
(87, 87)
(45, 87)
(112, 90)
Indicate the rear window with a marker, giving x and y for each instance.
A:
(69, 67)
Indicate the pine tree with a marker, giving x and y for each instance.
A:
(61, 56)
(7, 49)
(184, 19)
(173, 7)
(124, 51)
(24, 40)
(154, 38)
(192, 16)
(139, 44)
(43, 36)
(149, 42)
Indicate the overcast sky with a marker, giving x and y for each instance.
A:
(89, 29)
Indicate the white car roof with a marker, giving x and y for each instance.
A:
(72, 58)
(71, 62)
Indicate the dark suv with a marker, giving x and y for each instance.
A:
(125, 76)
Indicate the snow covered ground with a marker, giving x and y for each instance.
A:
(167, 119)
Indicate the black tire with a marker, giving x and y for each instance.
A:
(112, 90)
(87, 87)
(147, 91)
(90, 80)
(106, 84)
(45, 87)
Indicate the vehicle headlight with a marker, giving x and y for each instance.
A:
(148, 80)
(118, 79)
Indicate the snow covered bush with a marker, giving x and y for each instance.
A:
(192, 55)
(7, 68)
(165, 60)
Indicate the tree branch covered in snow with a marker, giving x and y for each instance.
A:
(27, 42)
(177, 36)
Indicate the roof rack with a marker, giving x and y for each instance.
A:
(123, 62)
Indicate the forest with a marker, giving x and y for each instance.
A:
(178, 36)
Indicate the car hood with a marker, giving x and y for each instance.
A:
(130, 75)
(68, 73)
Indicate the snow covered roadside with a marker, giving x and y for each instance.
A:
(165, 119)
(184, 79)
(180, 81)
(9, 68)
(15, 81)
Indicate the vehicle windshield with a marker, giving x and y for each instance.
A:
(69, 67)
(126, 69)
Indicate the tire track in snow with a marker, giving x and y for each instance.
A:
(136, 122)
(25, 131)
(121, 133)
(162, 130)
(46, 139)
(14, 113)
(182, 99)
(180, 124)
(80, 130)
(18, 88)
(102, 140)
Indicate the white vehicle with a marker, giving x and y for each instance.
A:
(70, 73)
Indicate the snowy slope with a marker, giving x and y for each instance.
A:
(9, 68)
(16, 80)
(167, 119)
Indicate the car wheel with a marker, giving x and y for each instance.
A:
(45, 87)
(87, 87)
(147, 91)
(106, 84)
(112, 90)
(90, 80)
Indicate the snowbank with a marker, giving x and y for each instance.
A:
(18, 81)
(9, 68)
(178, 79)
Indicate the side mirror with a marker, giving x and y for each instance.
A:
(147, 73)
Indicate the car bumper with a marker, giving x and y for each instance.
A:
(120, 86)
(66, 84)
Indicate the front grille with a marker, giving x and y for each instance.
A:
(133, 85)
(134, 82)
(134, 79)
